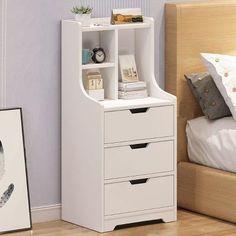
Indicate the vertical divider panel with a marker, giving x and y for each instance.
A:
(109, 42)
(143, 51)
(116, 63)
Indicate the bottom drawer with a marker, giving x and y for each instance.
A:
(137, 195)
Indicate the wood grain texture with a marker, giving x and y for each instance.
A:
(206, 190)
(193, 28)
(188, 224)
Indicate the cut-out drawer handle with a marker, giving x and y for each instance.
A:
(138, 181)
(139, 110)
(139, 146)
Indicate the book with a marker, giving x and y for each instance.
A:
(124, 86)
(133, 94)
(128, 68)
(97, 94)
(126, 16)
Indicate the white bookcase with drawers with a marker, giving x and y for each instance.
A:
(118, 156)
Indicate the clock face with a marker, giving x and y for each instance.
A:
(100, 56)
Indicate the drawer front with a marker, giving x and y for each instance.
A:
(140, 159)
(139, 195)
(143, 123)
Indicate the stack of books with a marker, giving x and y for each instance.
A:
(132, 90)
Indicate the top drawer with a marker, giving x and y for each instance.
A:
(141, 123)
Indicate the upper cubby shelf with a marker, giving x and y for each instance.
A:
(98, 66)
(102, 24)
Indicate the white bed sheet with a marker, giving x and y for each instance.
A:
(212, 143)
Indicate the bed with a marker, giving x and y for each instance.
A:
(192, 28)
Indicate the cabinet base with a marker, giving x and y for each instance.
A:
(166, 216)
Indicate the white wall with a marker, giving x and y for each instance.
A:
(30, 77)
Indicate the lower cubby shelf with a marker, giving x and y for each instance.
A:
(109, 81)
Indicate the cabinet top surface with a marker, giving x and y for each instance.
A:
(120, 104)
(101, 24)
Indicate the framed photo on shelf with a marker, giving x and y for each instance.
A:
(128, 69)
(14, 194)
(126, 16)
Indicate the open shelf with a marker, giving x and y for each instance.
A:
(98, 66)
(108, 74)
(128, 39)
(133, 39)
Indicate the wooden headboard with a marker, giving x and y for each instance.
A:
(192, 28)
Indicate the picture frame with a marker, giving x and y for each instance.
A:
(128, 69)
(126, 16)
(15, 208)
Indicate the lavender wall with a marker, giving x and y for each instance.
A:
(30, 77)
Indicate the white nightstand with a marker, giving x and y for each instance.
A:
(118, 156)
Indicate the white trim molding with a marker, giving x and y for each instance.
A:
(46, 213)
(3, 35)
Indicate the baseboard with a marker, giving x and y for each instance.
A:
(46, 213)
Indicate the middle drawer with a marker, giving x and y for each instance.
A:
(139, 159)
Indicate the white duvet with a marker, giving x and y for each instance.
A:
(212, 143)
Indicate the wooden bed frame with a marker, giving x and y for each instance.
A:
(192, 28)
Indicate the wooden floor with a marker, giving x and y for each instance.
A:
(188, 224)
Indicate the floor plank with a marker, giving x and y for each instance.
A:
(188, 224)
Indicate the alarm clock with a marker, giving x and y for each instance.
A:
(99, 55)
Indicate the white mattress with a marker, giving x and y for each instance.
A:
(212, 143)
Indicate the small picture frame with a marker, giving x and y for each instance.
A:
(126, 16)
(128, 69)
(15, 212)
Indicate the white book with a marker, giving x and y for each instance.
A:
(97, 94)
(132, 94)
(123, 86)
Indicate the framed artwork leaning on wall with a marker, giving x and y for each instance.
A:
(14, 194)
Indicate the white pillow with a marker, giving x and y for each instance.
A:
(223, 71)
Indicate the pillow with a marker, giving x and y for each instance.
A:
(208, 96)
(223, 71)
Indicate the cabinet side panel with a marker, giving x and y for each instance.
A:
(82, 139)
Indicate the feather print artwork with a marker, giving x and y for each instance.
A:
(7, 194)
